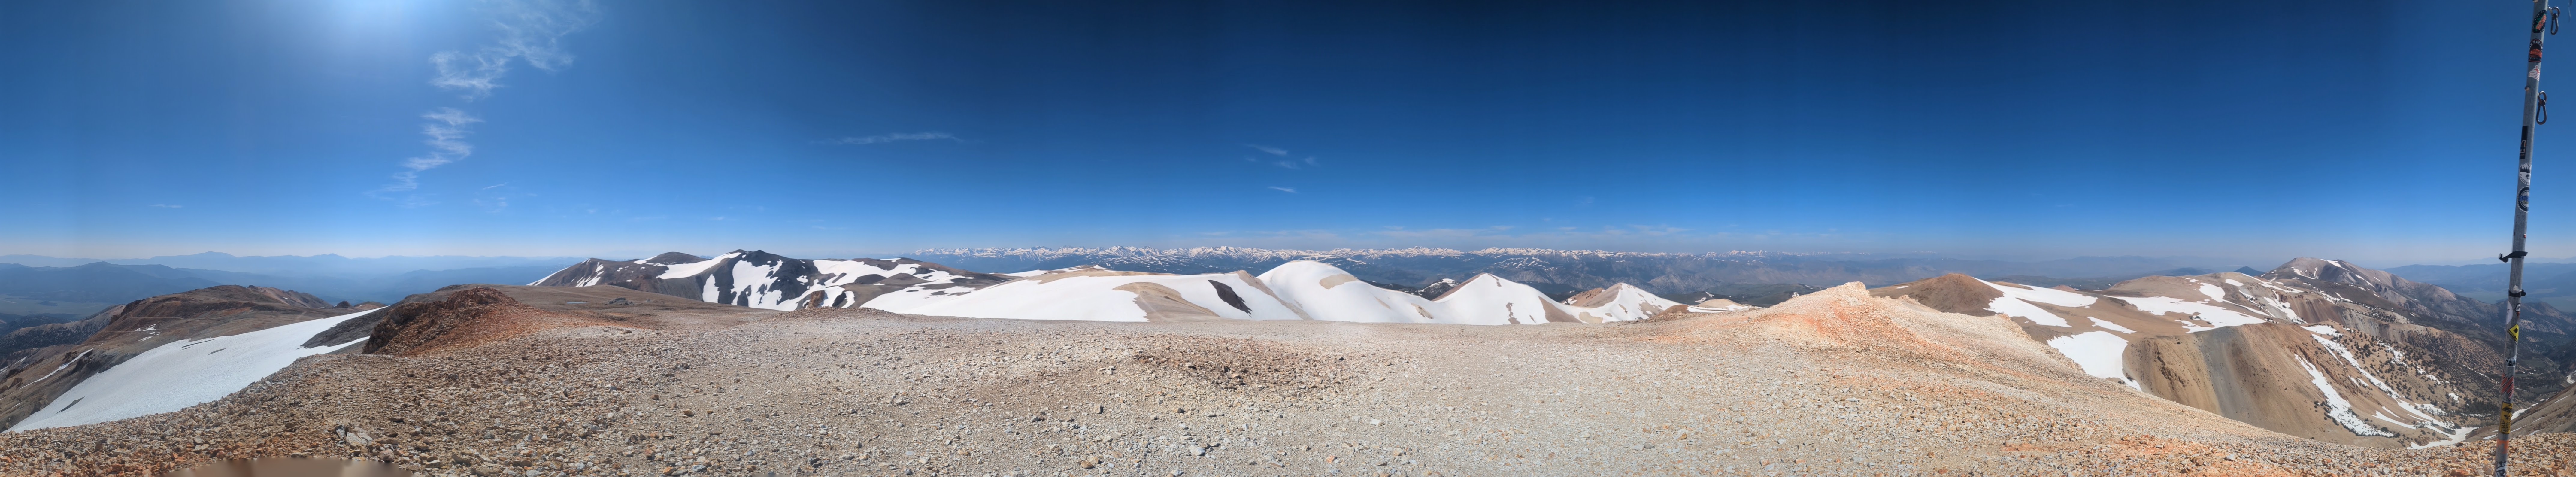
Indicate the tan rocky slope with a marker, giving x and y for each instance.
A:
(2554, 414)
(144, 324)
(1834, 383)
(2327, 362)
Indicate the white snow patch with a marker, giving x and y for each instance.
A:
(685, 270)
(2386, 419)
(2009, 306)
(2098, 323)
(2220, 317)
(2348, 358)
(2215, 293)
(2455, 436)
(2337, 409)
(2098, 352)
(181, 374)
(2323, 330)
(1094, 298)
(2045, 295)
(2016, 302)
(57, 369)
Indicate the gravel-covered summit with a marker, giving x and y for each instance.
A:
(1834, 383)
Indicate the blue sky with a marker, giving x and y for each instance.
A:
(2374, 131)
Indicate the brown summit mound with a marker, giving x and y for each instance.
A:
(215, 311)
(1596, 297)
(1848, 316)
(1954, 293)
(465, 318)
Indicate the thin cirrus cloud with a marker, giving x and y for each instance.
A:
(892, 137)
(531, 32)
(1309, 161)
(1284, 189)
(446, 130)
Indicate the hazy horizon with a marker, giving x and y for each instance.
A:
(2195, 261)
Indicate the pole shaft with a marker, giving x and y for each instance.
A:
(2521, 226)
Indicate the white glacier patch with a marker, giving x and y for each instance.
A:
(184, 373)
(2098, 352)
(2216, 316)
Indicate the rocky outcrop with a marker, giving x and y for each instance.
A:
(463, 316)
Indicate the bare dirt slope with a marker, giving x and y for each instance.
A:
(1833, 383)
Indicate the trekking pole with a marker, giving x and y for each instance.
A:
(2544, 22)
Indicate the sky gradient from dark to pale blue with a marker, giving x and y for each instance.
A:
(2367, 130)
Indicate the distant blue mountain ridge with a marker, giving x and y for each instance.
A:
(101, 283)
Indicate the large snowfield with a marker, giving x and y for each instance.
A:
(2099, 353)
(1295, 290)
(184, 373)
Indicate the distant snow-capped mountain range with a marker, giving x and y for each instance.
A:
(761, 279)
(1296, 290)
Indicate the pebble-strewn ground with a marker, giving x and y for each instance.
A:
(863, 393)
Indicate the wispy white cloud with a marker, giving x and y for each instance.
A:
(1288, 163)
(531, 31)
(892, 137)
(168, 206)
(495, 198)
(446, 130)
(1283, 189)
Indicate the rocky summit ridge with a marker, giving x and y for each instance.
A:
(659, 367)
